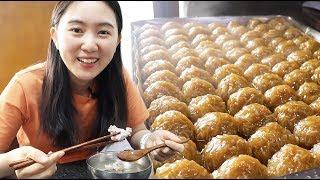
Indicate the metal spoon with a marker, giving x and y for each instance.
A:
(133, 155)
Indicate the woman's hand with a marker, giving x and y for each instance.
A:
(170, 139)
(44, 167)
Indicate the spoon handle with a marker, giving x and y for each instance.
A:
(163, 145)
(156, 147)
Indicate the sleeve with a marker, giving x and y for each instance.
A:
(137, 110)
(12, 112)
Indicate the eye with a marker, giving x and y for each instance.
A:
(76, 30)
(104, 32)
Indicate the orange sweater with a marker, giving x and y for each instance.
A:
(19, 112)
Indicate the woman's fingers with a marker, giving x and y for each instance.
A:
(47, 173)
(36, 155)
(167, 135)
(44, 168)
(54, 157)
(175, 146)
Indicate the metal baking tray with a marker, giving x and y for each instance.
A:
(204, 20)
(313, 173)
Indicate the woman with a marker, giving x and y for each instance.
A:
(75, 95)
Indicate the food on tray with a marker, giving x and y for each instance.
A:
(190, 152)
(243, 97)
(256, 70)
(238, 31)
(162, 88)
(174, 39)
(296, 78)
(206, 44)
(262, 52)
(170, 25)
(311, 45)
(252, 23)
(163, 75)
(284, 67)
(222, 147)
(197, 87)
(199, 38)
(210, 52)
(193, 31)
(309, 92)
(174, 48)
(245, 61)
(257, 42)
(151, 40)
(307, 131)
(316, 54)
(218, 31)
(234, 54)
(195, 72)
(155, 55)
(300, 56)
(274, 42)
(291, 113)
(263, 28)
(181, 53)
(241, 167)
(310, 66)
(213, 63)
(163, 104)
(286, 47)
(290, 159)
(187, 62)
(201, 105)
(228, 45)
(150, 48)
(213, 124)
(150, 32)
(231, 84)
(182, 169)
(175, 122)
(268, 140)
(258, 79)
(316, 153)
(316, 75)
(214, 25)
(248, 36)
(291, 33)
(273, 59)
(271, 34)
(225, 70)
(300, 39)
(223, 38)
(266, 81)
(251, 117)
(177, 31)
(279, 95)
(154, 66)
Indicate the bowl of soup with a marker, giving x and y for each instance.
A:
(106, 165)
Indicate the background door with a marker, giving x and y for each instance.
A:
(24, 35)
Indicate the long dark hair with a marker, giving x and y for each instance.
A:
(57, 111)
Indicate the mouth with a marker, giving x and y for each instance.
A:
(88, 60)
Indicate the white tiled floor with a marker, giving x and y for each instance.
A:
(132, 11)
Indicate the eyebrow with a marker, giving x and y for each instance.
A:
(99, 24)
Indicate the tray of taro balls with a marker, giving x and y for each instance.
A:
(244, 89)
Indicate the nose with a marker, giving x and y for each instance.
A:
(89, 43)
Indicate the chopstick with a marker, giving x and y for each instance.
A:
(86, 145)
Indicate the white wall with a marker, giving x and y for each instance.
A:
(132, 11)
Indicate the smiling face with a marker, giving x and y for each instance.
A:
(87, 38)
